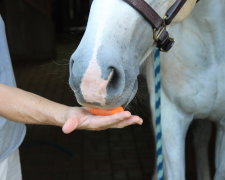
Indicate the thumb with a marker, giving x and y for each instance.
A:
(70, 125)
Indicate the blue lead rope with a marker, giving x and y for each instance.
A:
(159, 152)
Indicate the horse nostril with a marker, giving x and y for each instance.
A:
(114, 78)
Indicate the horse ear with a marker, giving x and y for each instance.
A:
(185, 11)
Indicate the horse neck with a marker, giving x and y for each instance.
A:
(206, 27)
(209, 16)
(213, 11)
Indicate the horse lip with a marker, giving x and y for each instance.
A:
(128, 102)
(130, 99)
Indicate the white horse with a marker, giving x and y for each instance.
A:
(118, 40)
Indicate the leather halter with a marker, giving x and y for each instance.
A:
(161, 36)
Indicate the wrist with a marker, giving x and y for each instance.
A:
(61, 115)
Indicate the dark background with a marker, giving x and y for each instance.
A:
(32, 24)
(42, 35)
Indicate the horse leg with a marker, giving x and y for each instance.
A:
(202, 131)
(175, 124)
(220, 153)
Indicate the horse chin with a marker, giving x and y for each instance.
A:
(125, 98)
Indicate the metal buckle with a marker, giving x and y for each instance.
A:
(164, 44)
(158, 33)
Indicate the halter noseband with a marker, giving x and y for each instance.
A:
(161, 36)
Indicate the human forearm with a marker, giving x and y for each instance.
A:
(22, 106)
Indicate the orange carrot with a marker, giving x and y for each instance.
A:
(105, 112)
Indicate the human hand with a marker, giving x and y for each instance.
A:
(80, 118)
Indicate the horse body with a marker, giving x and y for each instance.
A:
(192, 83)
(104, 69)
(193, 71)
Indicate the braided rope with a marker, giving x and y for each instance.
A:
(158, 115)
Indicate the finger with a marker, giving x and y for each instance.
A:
(99, 122)
(123, 123)
(115, 118)
(70, 125)
(131, 121)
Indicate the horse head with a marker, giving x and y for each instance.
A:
(117, 40)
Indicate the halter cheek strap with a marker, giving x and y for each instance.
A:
(173, 10)
(161, 35)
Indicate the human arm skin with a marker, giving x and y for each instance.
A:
(25, 107)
